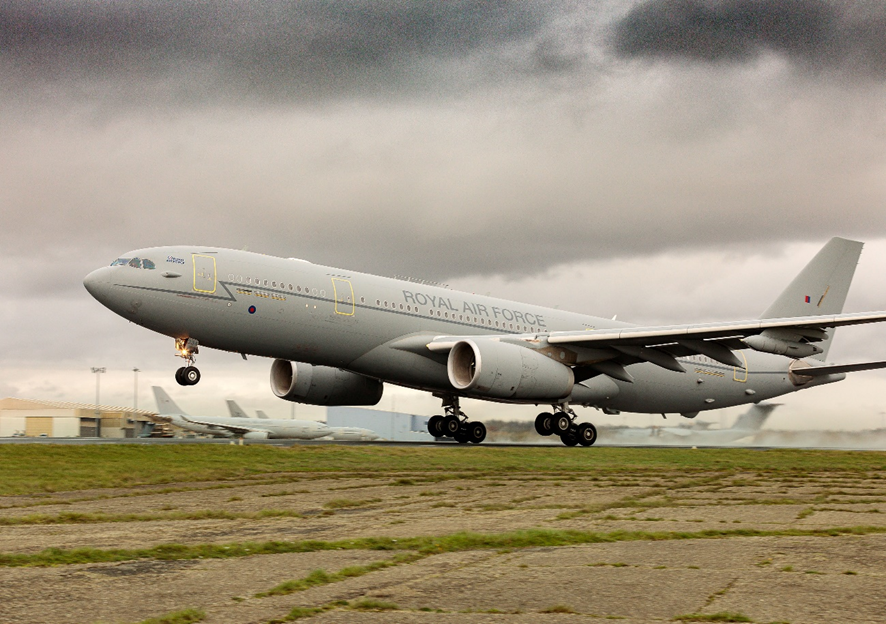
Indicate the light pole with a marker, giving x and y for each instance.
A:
(98, 415)
(134, 400)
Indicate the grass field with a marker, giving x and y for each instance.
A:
(217, 533)
(31, 469)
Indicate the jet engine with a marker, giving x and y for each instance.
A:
(256, 435)
(778, 346)
(501, 370)
(322, 385)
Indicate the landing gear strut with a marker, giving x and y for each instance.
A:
(562, 423)
(187, 348)
(454, 424)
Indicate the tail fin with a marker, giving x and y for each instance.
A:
(165, 405)
(755, 417)
(261, 414)
(236, 410)
(821, 287)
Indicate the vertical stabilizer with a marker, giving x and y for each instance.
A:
(261, 414)
(236, 410)
(821, 287)
(165, 405)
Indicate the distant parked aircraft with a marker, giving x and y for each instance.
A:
(356, 434)
(748, 424)
(238, 427)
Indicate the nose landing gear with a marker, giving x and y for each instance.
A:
(187, 348)
(454, 423)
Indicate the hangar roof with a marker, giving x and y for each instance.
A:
(12, 403)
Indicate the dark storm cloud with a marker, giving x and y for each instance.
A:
(268, 48)
(815, 34)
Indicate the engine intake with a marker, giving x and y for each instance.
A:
(489, 368)
(322, 385)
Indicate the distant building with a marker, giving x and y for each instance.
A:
(58, 419)
(388, 425)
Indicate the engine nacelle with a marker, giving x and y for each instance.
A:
(501, 370)
(256, 435)
(322, 385)
(768, 344)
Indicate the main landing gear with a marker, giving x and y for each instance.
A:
(562, 423)
(187, 348)
(454, 424)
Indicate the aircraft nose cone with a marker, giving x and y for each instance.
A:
(97, 282)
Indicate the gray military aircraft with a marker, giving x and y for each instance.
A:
(352, 434)
(337, 336)
(237, 427)
(746, 425)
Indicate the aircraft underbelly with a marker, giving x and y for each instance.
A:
(656, 390)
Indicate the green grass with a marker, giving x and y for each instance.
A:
(424, 545)
(32, 469)
(188, 616)
(90, 518)
(321, 577)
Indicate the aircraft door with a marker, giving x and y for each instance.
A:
(204, 273)
(344, 296)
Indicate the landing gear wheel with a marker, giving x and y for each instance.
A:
(450, 426)
(180, 377)
(569, 438)
(544, 424)
(587, 434)
(461, 436)
(476, 432)
(191, 375)
(434, 426)
(560, 423)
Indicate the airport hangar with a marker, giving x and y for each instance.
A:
(56, 419)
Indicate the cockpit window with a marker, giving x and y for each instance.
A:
(135, 263)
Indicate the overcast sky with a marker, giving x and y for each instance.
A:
(666, 161)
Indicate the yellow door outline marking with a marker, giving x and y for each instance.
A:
(735, 369)
(346, 299)
(202, 276)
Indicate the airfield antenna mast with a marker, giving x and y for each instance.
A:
(98, 414)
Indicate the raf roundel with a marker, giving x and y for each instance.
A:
(252, 309)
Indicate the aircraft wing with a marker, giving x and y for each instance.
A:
(235, 429)
(608, 351)
(653, 336)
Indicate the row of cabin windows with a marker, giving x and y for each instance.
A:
(454, 316)
(393, 306)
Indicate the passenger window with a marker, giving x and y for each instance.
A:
(149, 264)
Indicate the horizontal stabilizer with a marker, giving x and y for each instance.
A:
(820, 371)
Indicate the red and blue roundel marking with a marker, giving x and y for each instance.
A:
(252, 309)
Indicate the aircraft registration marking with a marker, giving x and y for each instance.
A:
(702, 371)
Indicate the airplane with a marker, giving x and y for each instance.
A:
(337, 336)
(746, 425)
(236, 427)
(352, 434)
